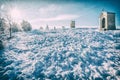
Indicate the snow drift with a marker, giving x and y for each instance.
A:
(72, 54)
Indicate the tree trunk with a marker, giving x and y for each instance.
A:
(10, 30)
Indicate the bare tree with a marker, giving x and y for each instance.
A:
(2, 25)
(4, 12)
(9, 19)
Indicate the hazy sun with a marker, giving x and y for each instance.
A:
(15, 13)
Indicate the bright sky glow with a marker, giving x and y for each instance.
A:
(15, 14)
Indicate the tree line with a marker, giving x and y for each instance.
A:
(7, 28)
(15, 27)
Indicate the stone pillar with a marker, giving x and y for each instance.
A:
(72, 25)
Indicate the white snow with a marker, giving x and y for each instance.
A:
(69, 54)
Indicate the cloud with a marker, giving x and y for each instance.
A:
(49, 9)
(60, 17)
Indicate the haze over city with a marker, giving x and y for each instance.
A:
(60, 13)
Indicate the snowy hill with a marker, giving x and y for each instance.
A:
(72, 54)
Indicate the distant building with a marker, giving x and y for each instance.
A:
(54, 28)
(41, 28)
(72, 25)
(63, 27)
(47, 28)
(107, 21)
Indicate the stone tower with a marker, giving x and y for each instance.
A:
(107, 21)
(72, 25)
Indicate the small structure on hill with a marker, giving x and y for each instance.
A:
(41, 28)
(54, 28)
(107, 21)
(47, 28)
(72, 25)
(63, 27)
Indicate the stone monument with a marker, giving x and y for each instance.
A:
(107, 21)
(72, 25)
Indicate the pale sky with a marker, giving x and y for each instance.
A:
(59, 13)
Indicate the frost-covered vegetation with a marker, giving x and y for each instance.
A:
(71, 54)
(7, 27)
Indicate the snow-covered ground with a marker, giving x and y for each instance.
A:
(71, 54)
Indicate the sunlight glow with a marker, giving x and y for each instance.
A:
(15, 14)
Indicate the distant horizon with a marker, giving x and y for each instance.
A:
(67, 27)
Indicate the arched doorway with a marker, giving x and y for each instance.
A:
(103, 23)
